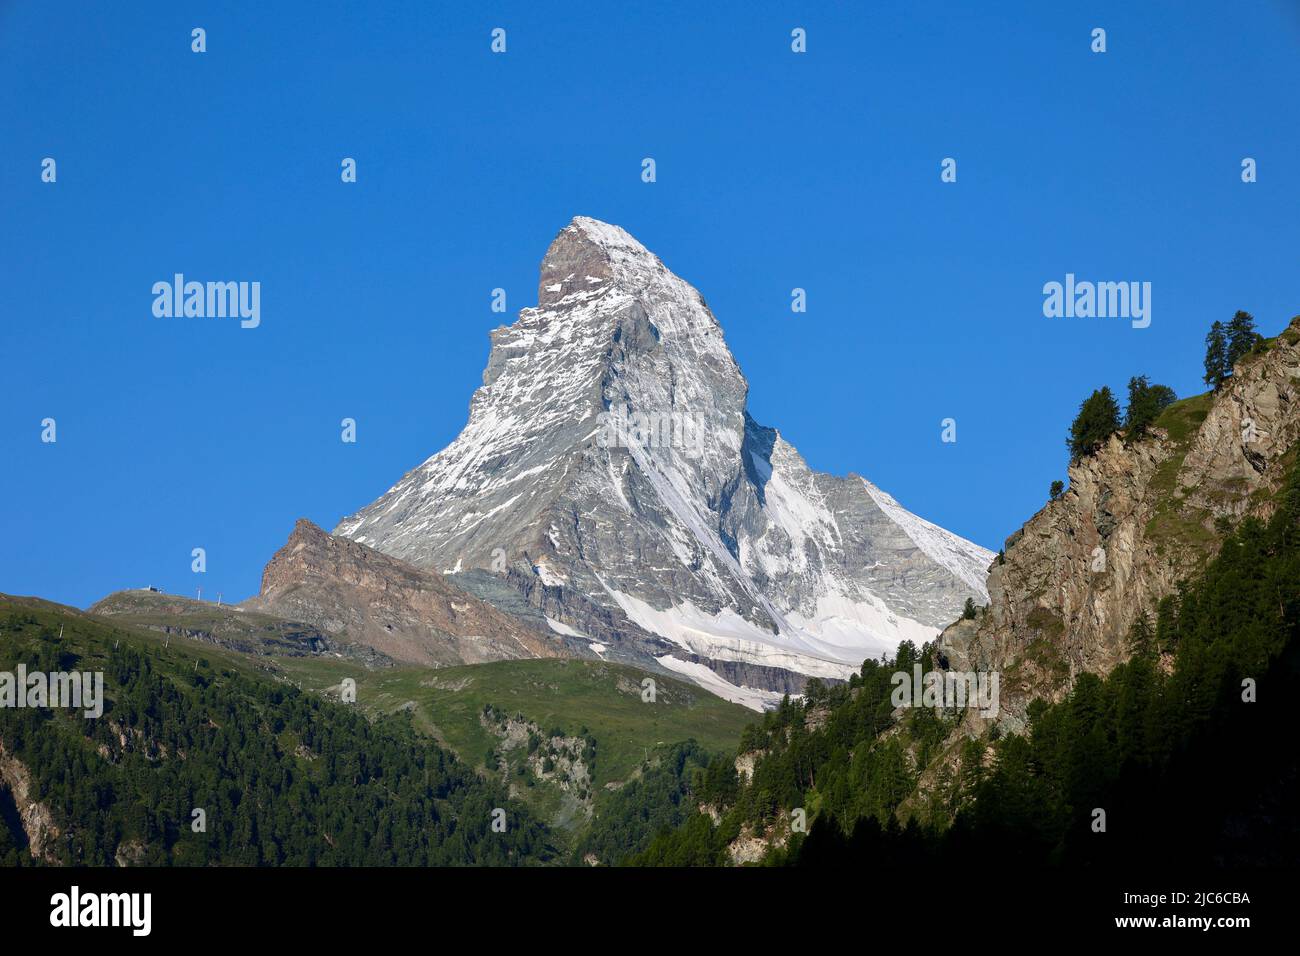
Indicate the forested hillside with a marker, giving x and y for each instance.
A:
(282, 776)
(1188, 749)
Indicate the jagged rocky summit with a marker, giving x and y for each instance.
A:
(611, 478)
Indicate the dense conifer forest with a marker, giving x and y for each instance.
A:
(282, 777)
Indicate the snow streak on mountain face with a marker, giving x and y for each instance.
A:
(609, 454)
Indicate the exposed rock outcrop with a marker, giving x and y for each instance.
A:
(360, 596)
(1136, 519)
(34, 816)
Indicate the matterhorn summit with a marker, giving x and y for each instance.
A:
(611, 478)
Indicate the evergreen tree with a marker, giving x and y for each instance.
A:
(1145, 403)
(1217, 366)
(814, 691)
(1241, 337)
(968, 612)
(1166, 623)
(1142, 637)
(1056, 490)
(1097, 420)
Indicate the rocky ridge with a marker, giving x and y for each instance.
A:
(1136, 519)
(362, 597)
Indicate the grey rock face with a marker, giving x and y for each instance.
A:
(609, 457)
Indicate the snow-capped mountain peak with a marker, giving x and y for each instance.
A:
(610, 446)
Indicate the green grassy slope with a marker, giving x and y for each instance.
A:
(574, 698)
(568, 695)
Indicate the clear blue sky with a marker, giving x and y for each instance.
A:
(775, 170)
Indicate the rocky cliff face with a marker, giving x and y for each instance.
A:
(609, 458)
(362, 597)
(33, 816)
(1136, 519)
